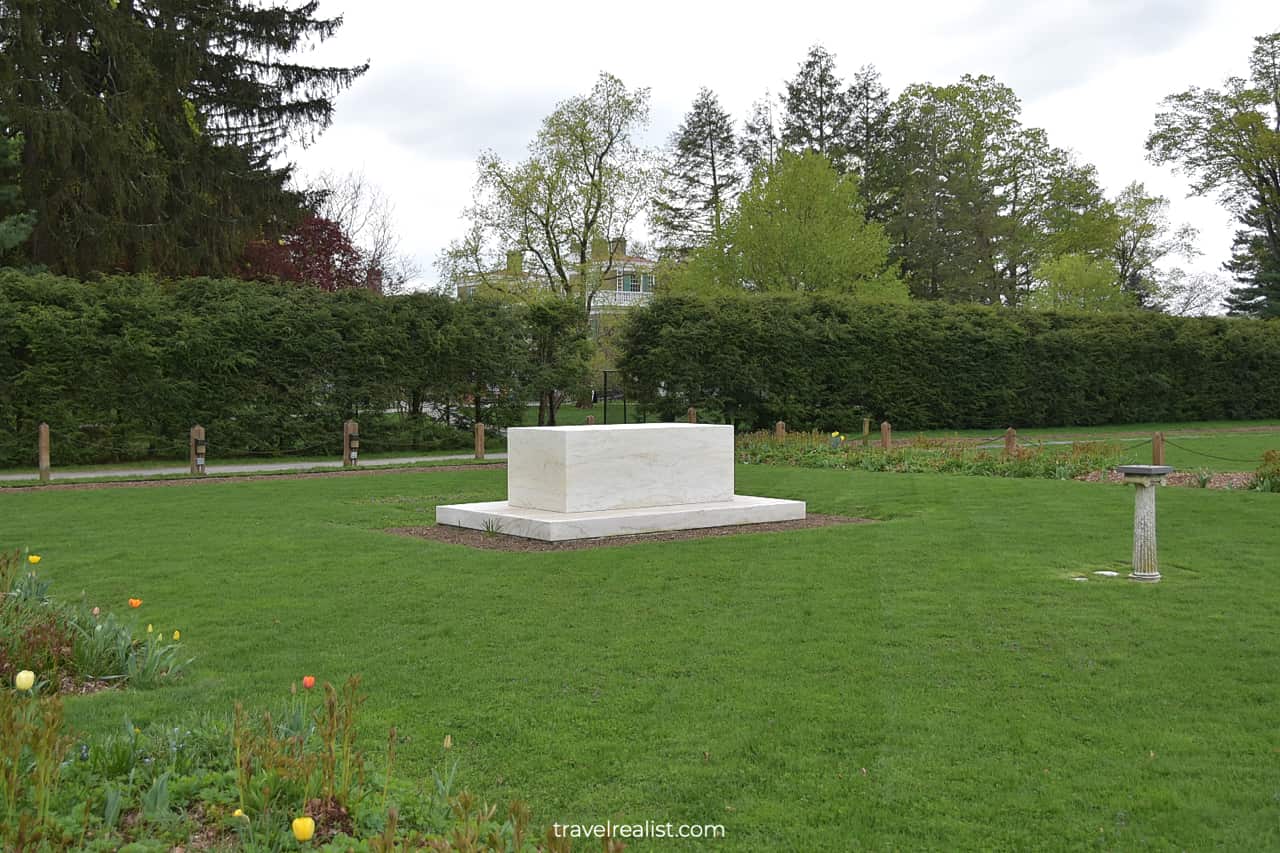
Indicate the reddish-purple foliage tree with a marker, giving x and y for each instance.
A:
(316, 253)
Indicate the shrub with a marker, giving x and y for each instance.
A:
(1267, 477)
(822, 362)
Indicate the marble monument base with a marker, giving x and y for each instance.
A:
(549, 526)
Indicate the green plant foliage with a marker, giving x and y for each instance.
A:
(825, 362)
(1267, 477)
(57, 641)
(935, 456)
(122, 368)
(240, 781)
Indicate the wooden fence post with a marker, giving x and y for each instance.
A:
(197, 448)
(43, 453)
(1157, 449)
(350, 443)
(693, 415)
(479, 440)
(866, 433)
(1010, 442)
(591, 420)
(886, 436)
(780, 430)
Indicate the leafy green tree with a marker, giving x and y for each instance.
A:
(817, 113)
(1228, 141)
(1079, 283)
(567, 207)
(700, 179)
(978, 201)
(15, 221)
(802, 227)
(558, 353)
(151, 126)
(1145, 238)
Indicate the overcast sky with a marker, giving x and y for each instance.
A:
(448, 79)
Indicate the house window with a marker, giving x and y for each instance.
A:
(630, 283)
(646, 282)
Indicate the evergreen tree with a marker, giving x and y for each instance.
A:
(869, 138)
(760, 143)
(1256, 268)
(15, 221)
(699, 181)
(150, 126)
(817, 110)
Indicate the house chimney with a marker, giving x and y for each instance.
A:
(515, 262)
(599, 249)
(619, 248)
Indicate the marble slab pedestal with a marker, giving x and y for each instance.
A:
(609, 480)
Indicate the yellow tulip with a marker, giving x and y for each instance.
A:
(177, 635)
(448, 741)
(238, 813)
(33, 558)
(24, 680)
(149, 629)
(303, 828)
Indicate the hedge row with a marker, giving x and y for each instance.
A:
(121, 368)
(825, 362)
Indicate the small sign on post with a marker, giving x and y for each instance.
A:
(43, 453)
(479, 440)
(197, 450)
(886, 435)
(1010, 443)
(350, 443)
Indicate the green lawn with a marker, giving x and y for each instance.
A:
(933, 681)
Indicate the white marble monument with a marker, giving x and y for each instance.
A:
(581, 482)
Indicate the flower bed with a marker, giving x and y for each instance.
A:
(926, 455)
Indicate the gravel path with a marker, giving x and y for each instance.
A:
(240, 468)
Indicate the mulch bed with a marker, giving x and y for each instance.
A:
(1186, 479)
(506, 542)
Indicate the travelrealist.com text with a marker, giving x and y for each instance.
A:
(647, 829)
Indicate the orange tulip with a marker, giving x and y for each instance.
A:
(308, 681)
(135, 602)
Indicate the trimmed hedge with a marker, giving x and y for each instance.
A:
(121, 368)
(824, 362)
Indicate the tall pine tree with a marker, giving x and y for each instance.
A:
(759, 145)
(150, 126)
(699, 181)
(818, 113)
(15, 220)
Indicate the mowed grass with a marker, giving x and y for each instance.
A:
(932, 681)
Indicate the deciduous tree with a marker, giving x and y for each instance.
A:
(1228, 142)
(568, 207)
